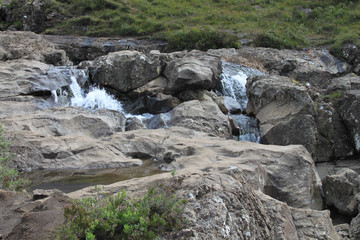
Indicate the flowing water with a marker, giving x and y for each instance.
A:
(233, 81)
(80, 93)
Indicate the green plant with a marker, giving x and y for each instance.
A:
(119, 217)
(9, 176)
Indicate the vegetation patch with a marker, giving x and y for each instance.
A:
(9, 176)
(214, 23)
(119, 217)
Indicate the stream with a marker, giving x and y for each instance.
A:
(81, 93)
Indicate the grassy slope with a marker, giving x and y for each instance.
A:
(207, 23)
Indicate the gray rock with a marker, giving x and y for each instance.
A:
(125, 70)
(30, 46)
(354, 230)
(196, 70)
(342, 190)
(343, 230)
(204, 116)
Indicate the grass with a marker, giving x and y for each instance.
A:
(205, 24)
(9, 176)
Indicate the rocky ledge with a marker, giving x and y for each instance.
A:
(306, 104)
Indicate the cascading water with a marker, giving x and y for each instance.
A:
(93, 98)
(233, 80)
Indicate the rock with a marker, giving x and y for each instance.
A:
(79, 48)
(202, 116)
(350, 53)
(67, 137)
(342, 190)
(312, 224)
(196, 70)
(232, 105)
(160, 103)
(343, 230)
(280, 105)
(344, 83)
(150, 89)
(124, 71)
(30, 46)
(35, 16)
(133, 124)
(350, 113)
(354, 230)
(314, 66)
(41, 193)
(23, 218)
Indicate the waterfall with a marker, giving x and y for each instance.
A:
(233, 81)
(93, 98)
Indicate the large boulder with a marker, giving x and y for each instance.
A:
(342, 191)
(316, 67)
(196, 70)
(29, 77)
(280, 105)
(66, 137)
(204, 116)
(354, 230)
(123, 71)
(30, 46)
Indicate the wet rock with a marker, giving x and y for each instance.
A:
(204, 116)
(30, 46)
(160, 103)
(151, 89)
(196, 70)
(342, 190)
(124, 71)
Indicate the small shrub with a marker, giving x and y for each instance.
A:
(9, 176)
(119, 217)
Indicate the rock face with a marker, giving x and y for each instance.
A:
(342, 190)
(124, 71)
(303, 89)
(194, 71)
(30, 46)
(24, 218)
(79, 48)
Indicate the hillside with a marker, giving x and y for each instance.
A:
(189, 24)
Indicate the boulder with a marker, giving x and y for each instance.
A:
(29, 77)
(196, 70)
(316, 67)
(123, 71)
(30, 46)
(350, 53)
(279, 105)
(204, 116)
(342, 191)
(350, 113)
(67, 137)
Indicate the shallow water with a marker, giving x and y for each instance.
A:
(72, 180)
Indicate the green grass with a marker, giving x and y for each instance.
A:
(216, 23)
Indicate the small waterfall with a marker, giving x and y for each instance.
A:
(233, 81)
(75, 95)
